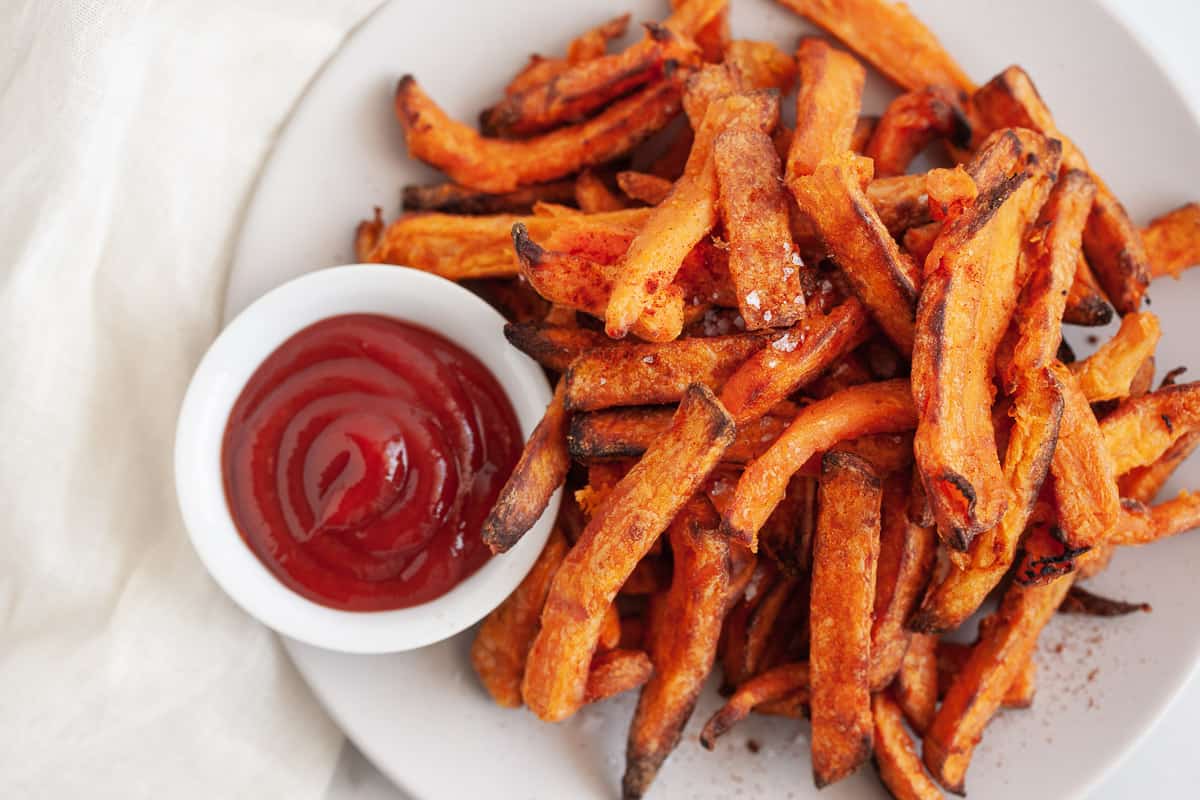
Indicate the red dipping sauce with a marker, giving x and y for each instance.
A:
(361, 459)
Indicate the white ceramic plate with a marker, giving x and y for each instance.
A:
(422, 718)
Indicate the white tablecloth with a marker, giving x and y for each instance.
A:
(130, 137)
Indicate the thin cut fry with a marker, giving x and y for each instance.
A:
(917, 683)
(686, 215)
(761, 65)
(1141, 525)
(647, 374)
(1108, 373)
(827, 106)
(890, 37)
(590, 44)
(899, 767)
(881, 274)
(683, 642)
(1144, 483)
(969, 295)
(539, 473)
(782, 681)
(763, 261)
(501, 165)
(615, 671)
(552, 346)
(864, 129)
(845, 553)
(502, 643)
(884, 407)
(951, 656)
(621, 531)
(450, 198)
(1142, 428)
(593, 196)
(642, 186)
(1173, 241)
(911, 122)
(1086, 303)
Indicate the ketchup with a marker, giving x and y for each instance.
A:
(361, 459)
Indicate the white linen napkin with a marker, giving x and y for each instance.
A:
(131, 135)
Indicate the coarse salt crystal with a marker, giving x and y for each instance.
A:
(753, 300)
(796, 259)
(788, 272)
(767, 315)
(786, 343)
(603, 381)
(647, 359)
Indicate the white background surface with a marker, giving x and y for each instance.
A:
(1162, 765)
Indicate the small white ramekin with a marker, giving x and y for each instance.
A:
(405, 294)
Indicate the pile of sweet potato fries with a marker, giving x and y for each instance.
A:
(811, 409)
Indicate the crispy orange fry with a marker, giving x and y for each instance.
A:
(590, 44)
(1143, 428)
(450, 198)
(1086, 303)
(951, 656)
(683, 642)
(615, 671)
(845, 554)
(884, 407)
(500, 165)
(621, 531)
(1139, 524)
(1144, 483)
(890, 37)
(827, 106)
(1006, 642)
(1173, 241)
(900, 201)
(586, 285)
(917, 682)
(761, 65)
(552, 346)
(646, 374)
(793, 359)
(881, 274)
(969, 295)
(895, 756)
(593, 196)
(864, 129)
(706, 21)
(763, 262)
(774, 684)
(911, 122)
(1108, 373)
(499, 650)
(762, 624)
(610, 633)
(1113, 245)
(588, 86)
(539, 473)
(918, 240)
(367, 235)
(686, 215)
(642, 186)
(906, 556)
(787, 536)
(1085, 483)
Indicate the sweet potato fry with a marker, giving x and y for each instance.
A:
(592, 43)
(774, 684)
(646, 374)
(1143, 428)
(787, 536)
(585, 285)
(621, 531)
(644, 187)
(881, 274)
(610, 632)
(760, 65)
(906, 556)
(733, 635)
(1007, 639)
(615, 671)
(554, 347)
(900, 201)
(918, 240)
(884, 407)
(762, 623)
(1108, 373)
(763, 262)
(499, 650)
(460, 247)
(1086, 303)
(1173, 241)
(845, 554)
(588, 86)
(685, 216)
(1085, 483)
(367, 235)
(793, 359)
(864, 129)
(516, 301)
(911, 122)
(917, 682)
(499, 165)
(683, 642)
(450, 198)
(706, 21)
(969, 295)
(951, 656)
(1139, 524)
(895, 756)
(1113, 245)
(593, 196)
(1144, 483)
(890, 37)
(831, 83)
(1081, 601)
(539, 473)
